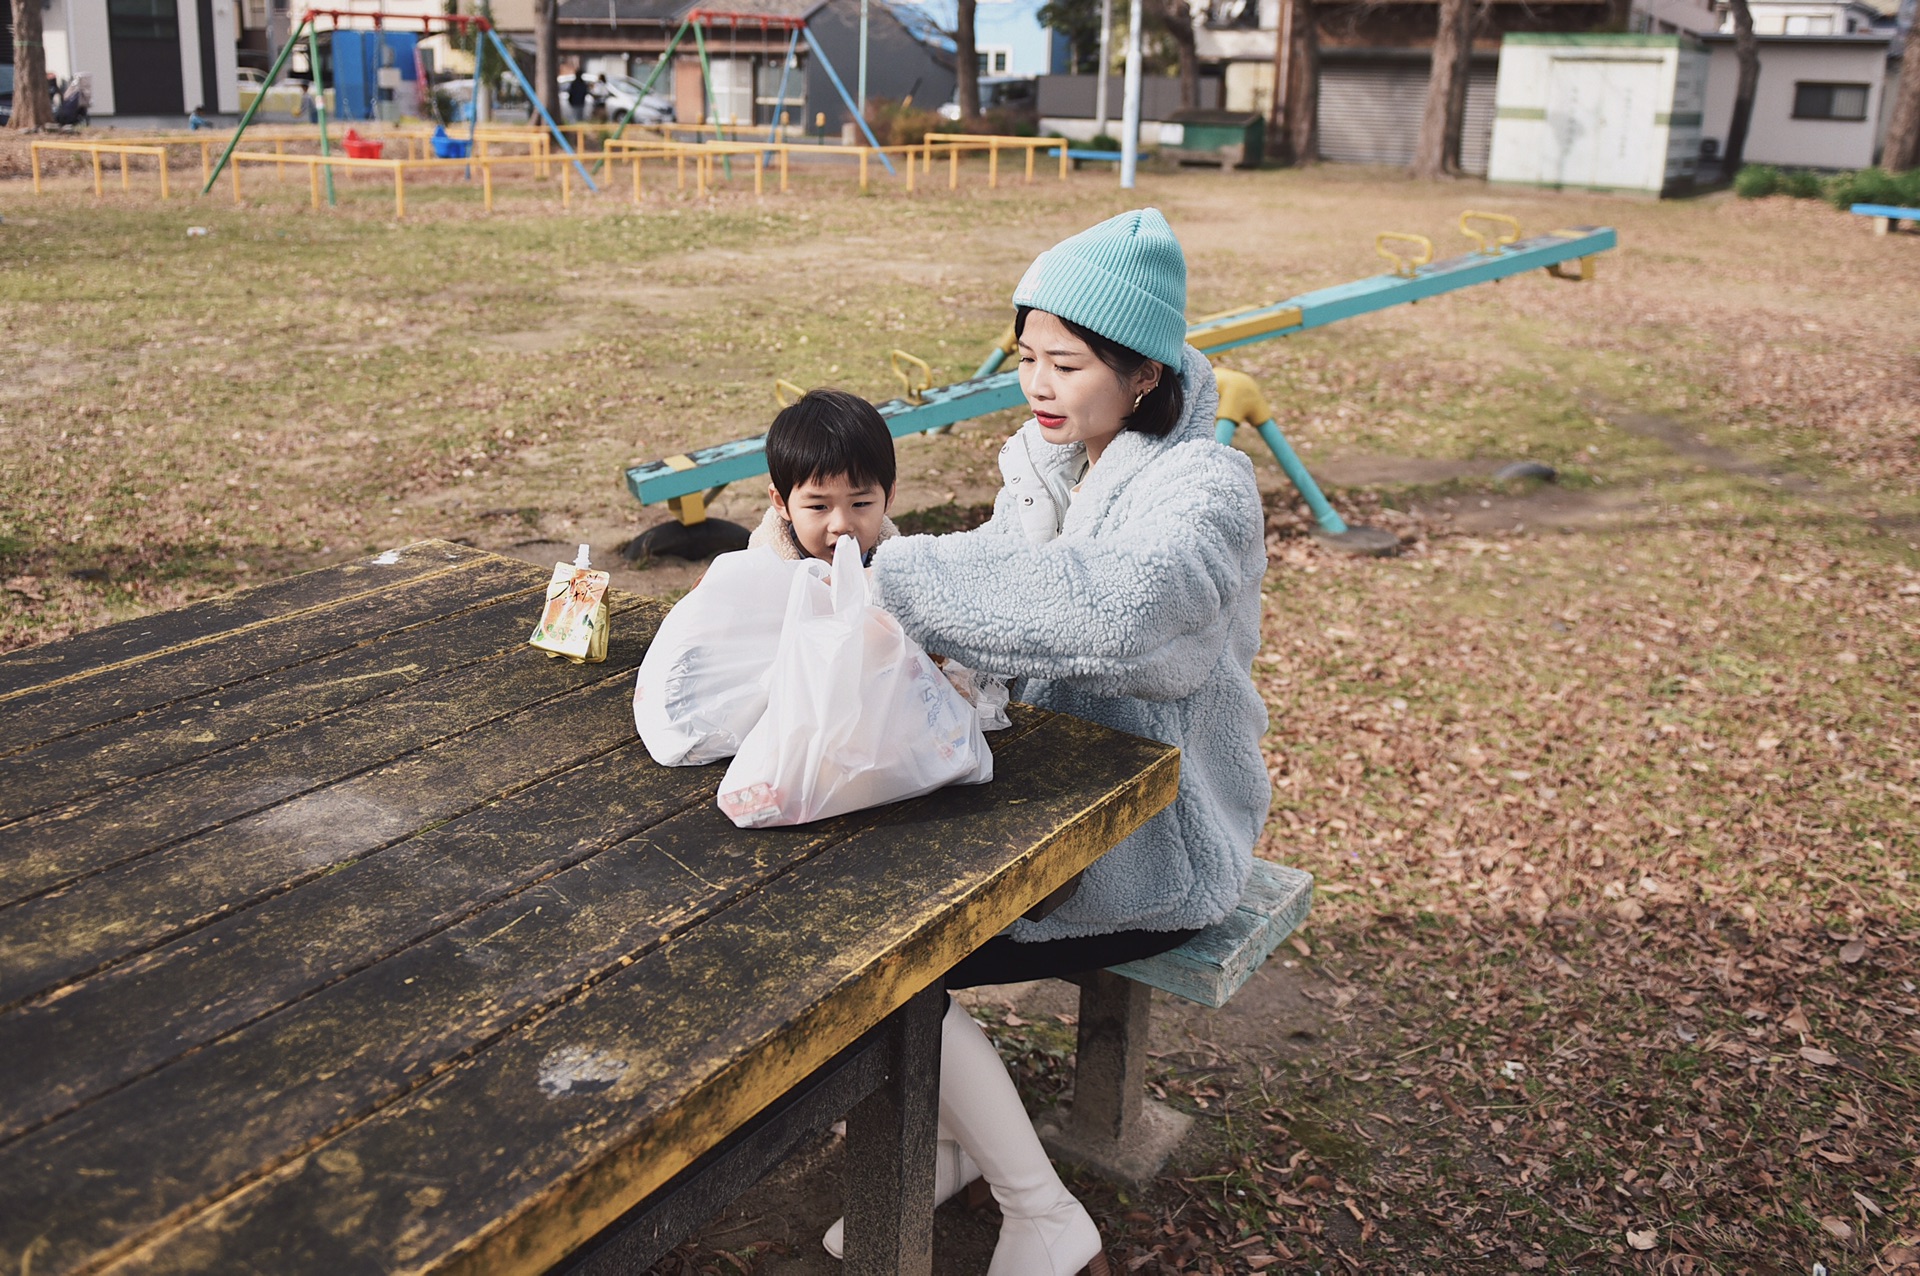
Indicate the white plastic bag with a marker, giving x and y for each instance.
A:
(986, 692)
(857, 714)
(701, 685)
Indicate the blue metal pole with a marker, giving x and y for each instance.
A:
(786, 69)
(1283, 452)
(541, 107)
(992, 365)
(841, 89)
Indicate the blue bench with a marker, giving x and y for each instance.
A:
(1112, 1127)
(1886, 217)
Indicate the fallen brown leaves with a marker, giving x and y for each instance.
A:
(1615, 851)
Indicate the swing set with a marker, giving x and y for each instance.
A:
(699, 23)
(309, 29)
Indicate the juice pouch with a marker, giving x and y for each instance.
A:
(574, 621)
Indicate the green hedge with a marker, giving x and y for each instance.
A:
(1842, 190)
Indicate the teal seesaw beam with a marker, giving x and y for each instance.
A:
(689, 480)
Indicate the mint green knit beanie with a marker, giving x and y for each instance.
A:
(1126, 279)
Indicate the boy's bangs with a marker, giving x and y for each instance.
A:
(828, 434)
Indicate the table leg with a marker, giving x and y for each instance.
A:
(1110, 1077)
(891, 1136)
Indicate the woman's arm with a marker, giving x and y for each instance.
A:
(1134, 610)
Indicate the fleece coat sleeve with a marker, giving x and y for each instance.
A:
(1136, 606)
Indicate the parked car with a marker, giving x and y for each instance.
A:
(457, 94)
(1018, 94)
(622, 90)
(6, 94)
(284, 98)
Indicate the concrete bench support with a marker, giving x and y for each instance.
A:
(1112, 1127)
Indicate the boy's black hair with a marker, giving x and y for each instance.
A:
(1162, 407)
(825, 434)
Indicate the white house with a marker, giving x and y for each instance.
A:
(149, 57)
(164, 57)
(1821, 101)
(1808, 17)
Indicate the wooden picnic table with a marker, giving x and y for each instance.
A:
(342, 932)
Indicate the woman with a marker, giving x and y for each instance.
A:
(1118, 580)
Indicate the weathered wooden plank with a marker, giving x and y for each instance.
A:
(530, 1148)
(281, 645)
(103, 918)
(83, 763)
(59, 847)
(1209, 968)
(653, 1229)
(128, 1159)
(97, 665)
(128, 1020)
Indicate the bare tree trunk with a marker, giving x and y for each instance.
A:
(1903, 129)
(1303, 85)
(32, 104)
(546, 54)
(1462, 74)
(1431, 152)
(1176, 19)
(1746, 53)
(1277, 105)
(966, 61)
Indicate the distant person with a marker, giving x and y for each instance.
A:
(577, 92)
(196, 121)
(601, 91)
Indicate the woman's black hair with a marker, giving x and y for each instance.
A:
(827, 434)
(1160, 409)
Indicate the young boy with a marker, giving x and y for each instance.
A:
(830, 457)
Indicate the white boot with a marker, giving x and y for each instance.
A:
(953, 1169)
(1045, 1231)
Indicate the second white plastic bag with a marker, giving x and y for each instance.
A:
(701, 686)
(857, 714)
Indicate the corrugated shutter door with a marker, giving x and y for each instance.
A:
(1370, 114)
(1476, 133)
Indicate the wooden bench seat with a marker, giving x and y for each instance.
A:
(1113, 1127)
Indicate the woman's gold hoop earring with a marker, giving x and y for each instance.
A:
(1136, 401)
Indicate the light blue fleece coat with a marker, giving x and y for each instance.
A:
(1142, 613)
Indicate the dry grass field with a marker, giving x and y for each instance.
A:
(1610, 785)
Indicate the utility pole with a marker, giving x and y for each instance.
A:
(1106, 69)
(1130, 112)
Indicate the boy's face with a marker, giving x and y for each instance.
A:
(822, 510)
